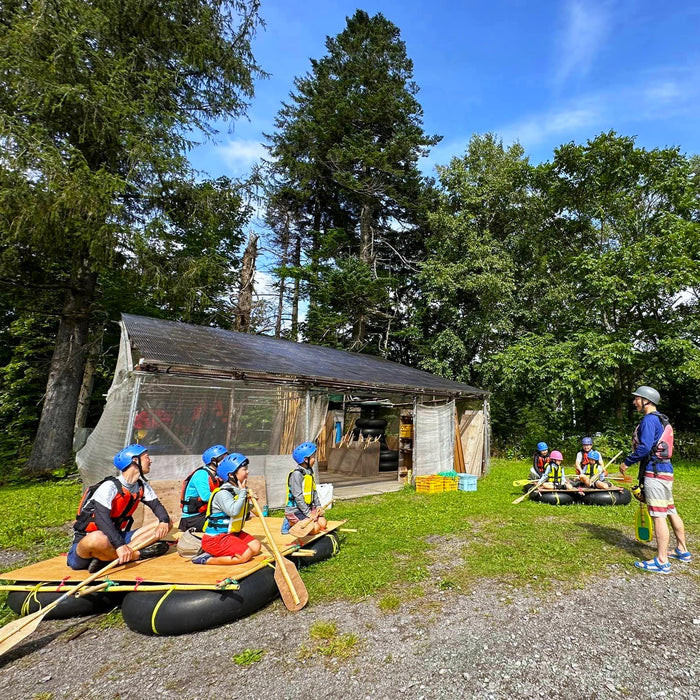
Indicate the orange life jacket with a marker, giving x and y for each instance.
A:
(123, 507)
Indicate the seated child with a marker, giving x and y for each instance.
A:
(540, 460)
(303, 502)
(554, 476)
(590, 468)
(224, 541)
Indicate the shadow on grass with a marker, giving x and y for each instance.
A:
(615, 538)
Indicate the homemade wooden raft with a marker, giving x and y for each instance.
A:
(170, 595)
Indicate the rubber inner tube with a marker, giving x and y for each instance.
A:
(180, 612)
(607, 498)
(324, 547)
(372, 423)
(372, 432)
(553, 498)
(25, 602)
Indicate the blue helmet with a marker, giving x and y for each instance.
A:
(230, 465)
(123, 458)
(301, 452)
(594, 455)
(542, 446)
(212, 453)
(587, 441)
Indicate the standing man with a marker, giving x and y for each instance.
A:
(102, 530)
(656, 480)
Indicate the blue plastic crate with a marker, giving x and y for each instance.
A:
(467, 482)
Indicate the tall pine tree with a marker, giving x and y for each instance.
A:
(345, 173)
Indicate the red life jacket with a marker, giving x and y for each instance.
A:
(123, 507)
(541, 462)
(195, 504)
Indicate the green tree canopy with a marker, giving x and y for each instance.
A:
(97, 101)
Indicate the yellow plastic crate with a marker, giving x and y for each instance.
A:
(450, 483)
(429, 484)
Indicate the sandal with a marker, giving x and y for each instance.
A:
(655, 566)
(681, 556)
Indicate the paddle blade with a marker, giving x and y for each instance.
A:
(18, 630)
(302, 528)
(296, 596)
(643, 524)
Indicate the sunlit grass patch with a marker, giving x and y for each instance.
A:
(327, 642)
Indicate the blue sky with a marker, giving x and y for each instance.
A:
(541, 73)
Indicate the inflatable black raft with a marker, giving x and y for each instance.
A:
(597, 497)
(175, 612)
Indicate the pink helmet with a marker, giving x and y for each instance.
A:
(555, 454)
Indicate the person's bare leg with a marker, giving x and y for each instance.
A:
(662, 538)
(679, 532)
(95, 545)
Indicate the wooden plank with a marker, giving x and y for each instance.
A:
(355, 459)
(472, 433)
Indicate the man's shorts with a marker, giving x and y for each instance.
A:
(77, 563)
(229, 544)
(658, 493)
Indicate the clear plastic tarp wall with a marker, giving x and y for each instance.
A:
(178, 417)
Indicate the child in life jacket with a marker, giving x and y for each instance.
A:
(590, 466)
(554, 476)
(224, 542)
(197, 489)
(540, 460)
(303, 502)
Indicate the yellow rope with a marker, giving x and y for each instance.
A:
(32, 595)
(157, 608)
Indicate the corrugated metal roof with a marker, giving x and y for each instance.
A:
(183, 347)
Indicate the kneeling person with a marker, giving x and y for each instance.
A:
(224, 542)
(303, 503)
(102, 530)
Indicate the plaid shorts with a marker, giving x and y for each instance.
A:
(658, 493)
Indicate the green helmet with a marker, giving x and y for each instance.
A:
(646, 392)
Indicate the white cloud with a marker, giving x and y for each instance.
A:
(587, 26)
(663, 93)
(240, 156)
(564, 123)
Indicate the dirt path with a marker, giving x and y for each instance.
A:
(636, 636)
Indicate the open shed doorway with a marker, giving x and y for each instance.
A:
(367, 444)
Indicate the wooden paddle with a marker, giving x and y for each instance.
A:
(304, 527)
(291, 587)
(520, 499)
(18, 630)
(524, 482)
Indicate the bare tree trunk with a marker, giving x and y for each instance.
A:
(86, 387)
(283, 277)
(359, 326)
(245, 294)
(53, 445)
(297, 291)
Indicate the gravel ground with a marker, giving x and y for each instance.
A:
(637, 637)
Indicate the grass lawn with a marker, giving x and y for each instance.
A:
(408, 541)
